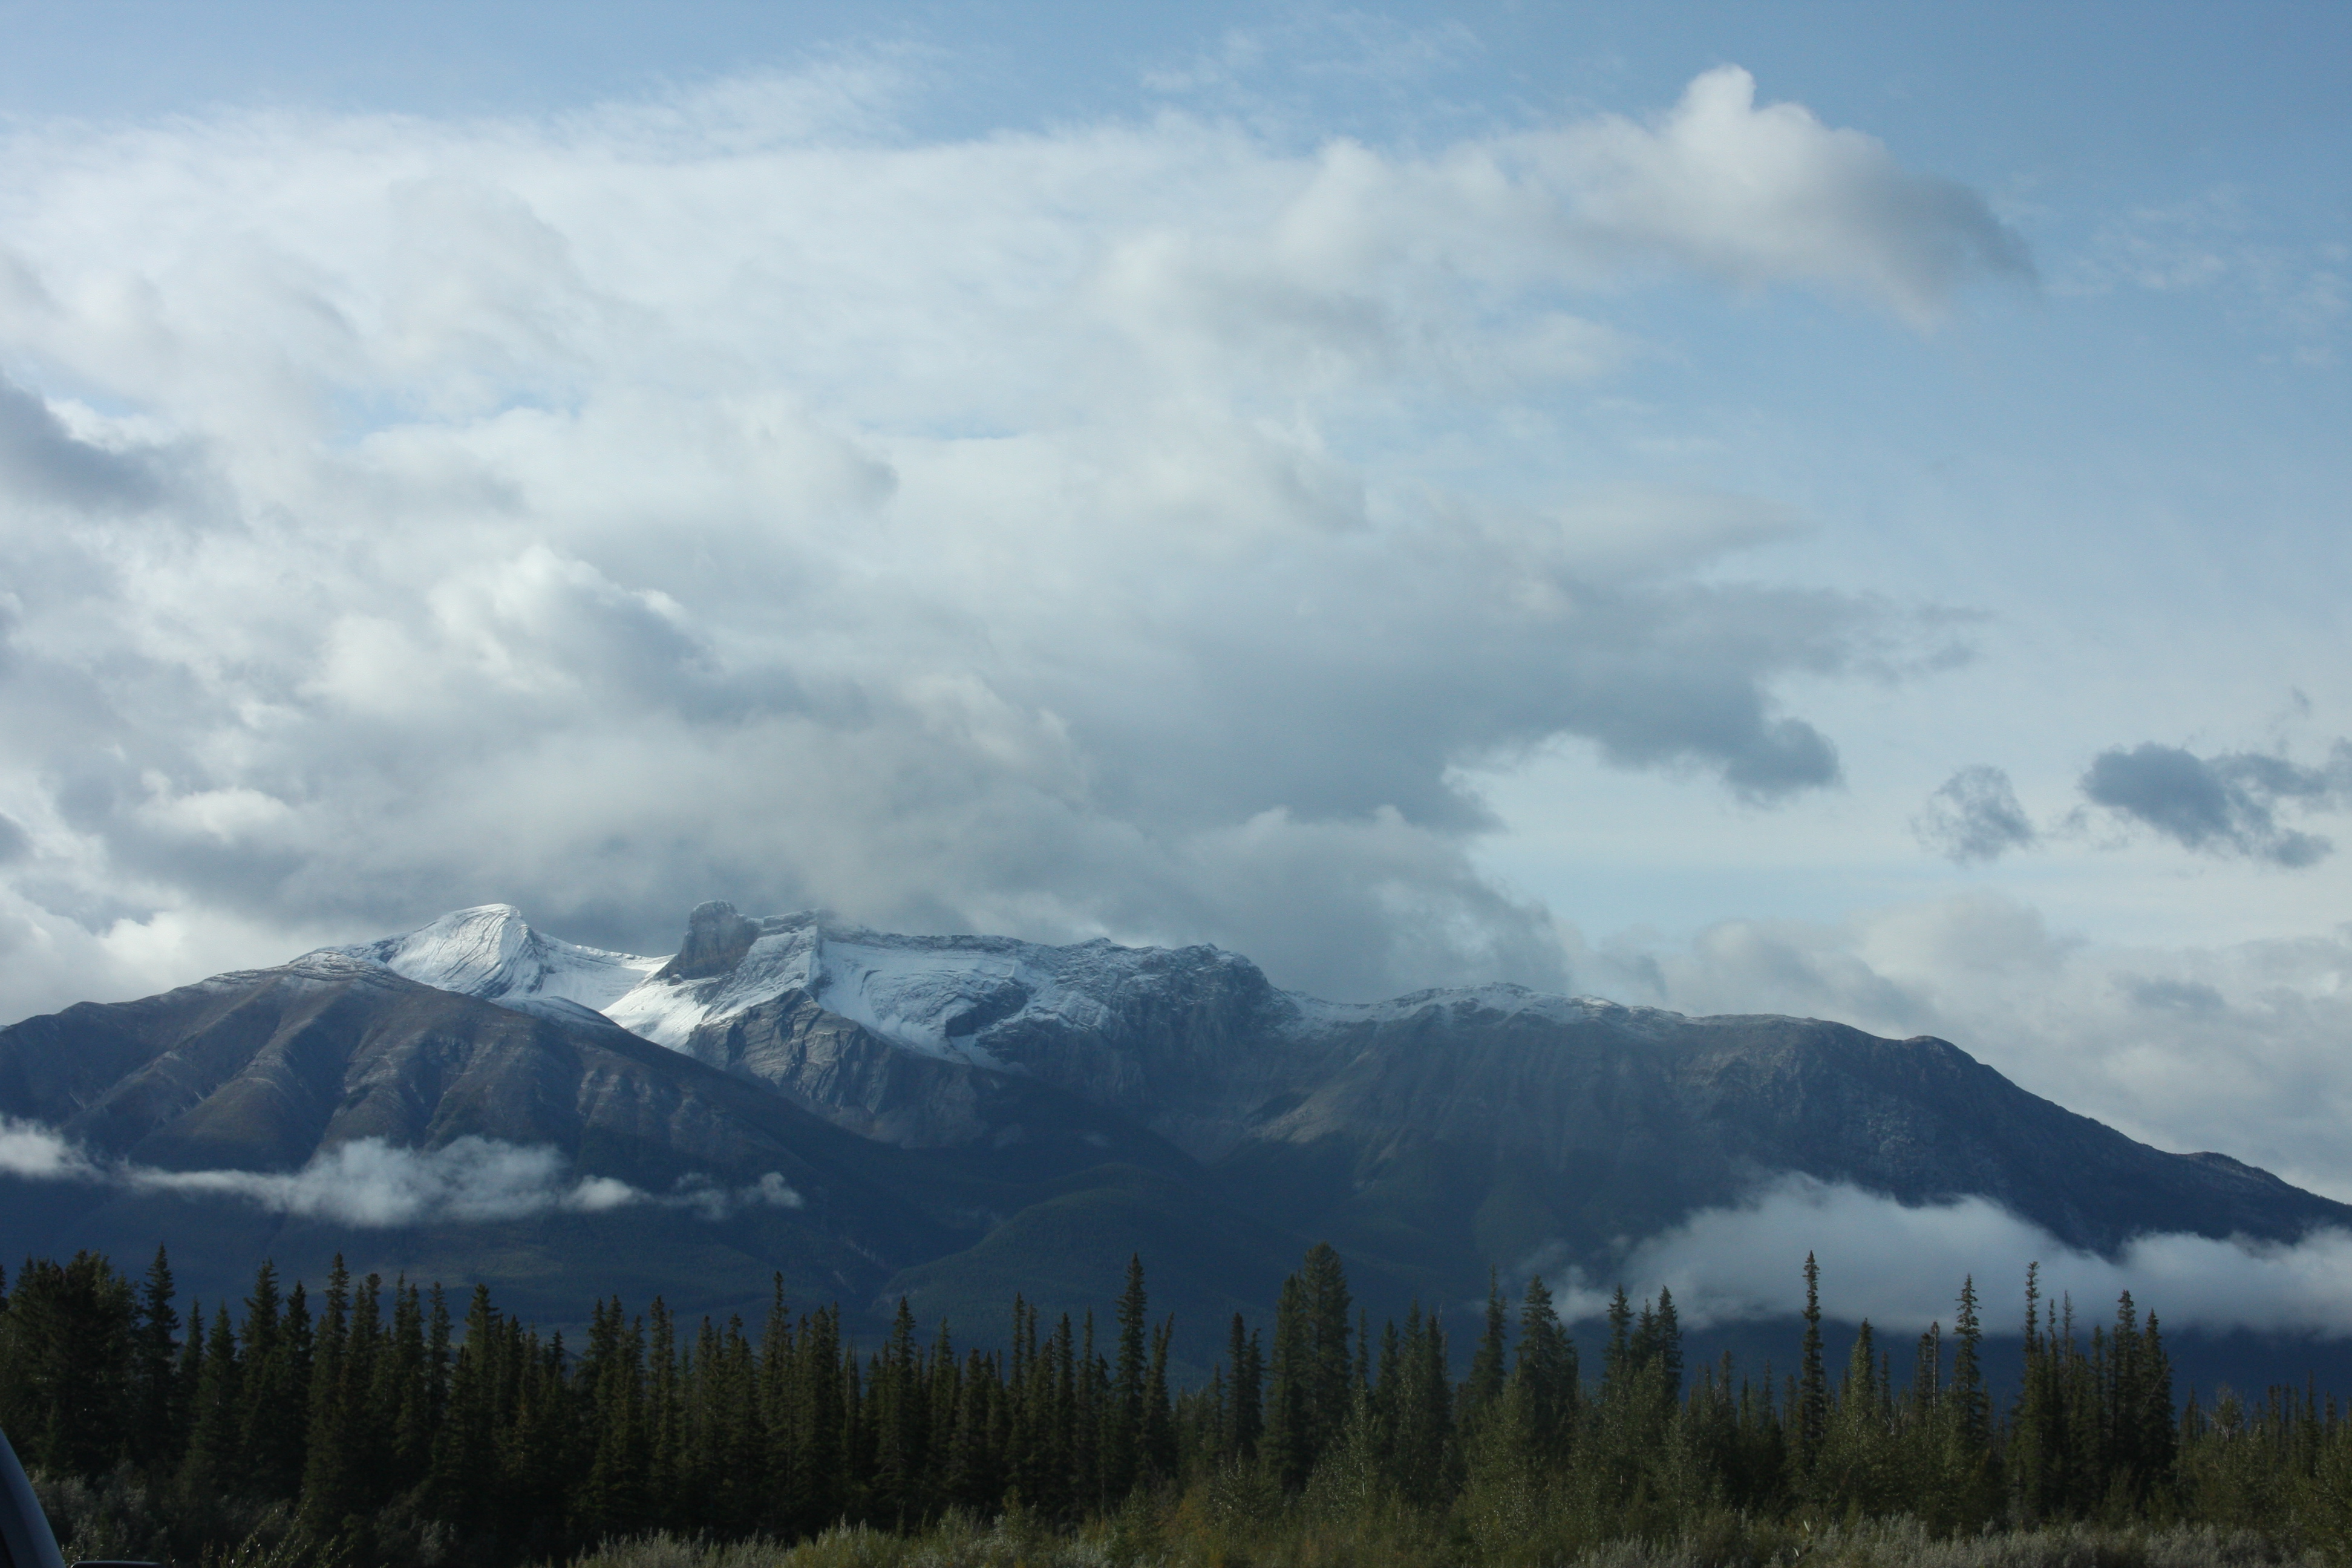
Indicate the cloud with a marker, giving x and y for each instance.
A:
(1974, 815)
(1902, 1267)
(371, 1184)
(41, 459)
(1759, 196)
(2225, 804)
(734, 496)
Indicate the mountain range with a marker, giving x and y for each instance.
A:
(958, 1117)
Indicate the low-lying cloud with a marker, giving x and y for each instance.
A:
(370, 1184)
(1902, 1267)
(2225, 804)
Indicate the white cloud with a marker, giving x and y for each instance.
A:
(728, 497)
(370, 1184)
(1759, 196)
(1902, 1268)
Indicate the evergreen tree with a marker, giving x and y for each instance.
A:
(1122, 1446)
(70, 1331)
(1811, 1412)
(1331, 1399)
(269, 1432)
(1483, 1394)
(330, 1469)
(210, 1469)
(1157, 1443)
(156, 1434)
(1245, 1416)
(1289, 1422)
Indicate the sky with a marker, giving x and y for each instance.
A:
(1829, 509)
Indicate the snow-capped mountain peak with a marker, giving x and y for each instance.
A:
(492, 952)
(941, 996)
(938, 995)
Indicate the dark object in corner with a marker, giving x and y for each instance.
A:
(26, 1539)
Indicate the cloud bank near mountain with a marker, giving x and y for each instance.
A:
(1902, 1268)
(371, 1183)
(1092, 531)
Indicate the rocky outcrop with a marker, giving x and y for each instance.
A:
(716, 938)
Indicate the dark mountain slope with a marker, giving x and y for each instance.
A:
(967, 1117)
(1578, 1127)
(265, 1071)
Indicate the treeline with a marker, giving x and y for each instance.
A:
(367, 1416)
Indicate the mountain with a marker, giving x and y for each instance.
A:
(1546, 1120)
(959, 1118)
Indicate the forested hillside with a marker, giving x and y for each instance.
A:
(370, 1422)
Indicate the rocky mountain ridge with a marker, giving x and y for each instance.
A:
(1553, 1118)
(963, 1117)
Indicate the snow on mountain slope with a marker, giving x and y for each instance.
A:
(939, 996)
(488, 952)
(943, 996)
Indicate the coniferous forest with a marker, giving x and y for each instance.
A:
(376, 1422)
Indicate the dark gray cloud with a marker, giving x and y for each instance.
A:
(40, 458)
(15, 845)
(1974, 815)
(2225, 804)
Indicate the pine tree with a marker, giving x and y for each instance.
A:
(210, 1469)
(70, 1326)
(900, 1406)
(1290, 1408)
(156, 1435)
(1122, 1449)
(462, 1481)
(330, 1478)
(271, 1438)
(1543, 1390)
(1157, 1440)
(1483, 1394)
(1245, 1416)
(1813, 1382)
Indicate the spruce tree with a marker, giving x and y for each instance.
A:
(210, 1469)
(1330, 1399)
(330, 1478)
(1811, 1416)
(1244, 1418)
(1544, 1384)
(1483, 1394)
(1156, 1446)
(156, 1435)
(1122, 1448)
(1289, 1409)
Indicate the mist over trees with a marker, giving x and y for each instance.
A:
(381, 1422)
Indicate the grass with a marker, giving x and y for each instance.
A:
(1205, 1530)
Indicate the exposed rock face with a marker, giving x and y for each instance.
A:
(716, 938)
